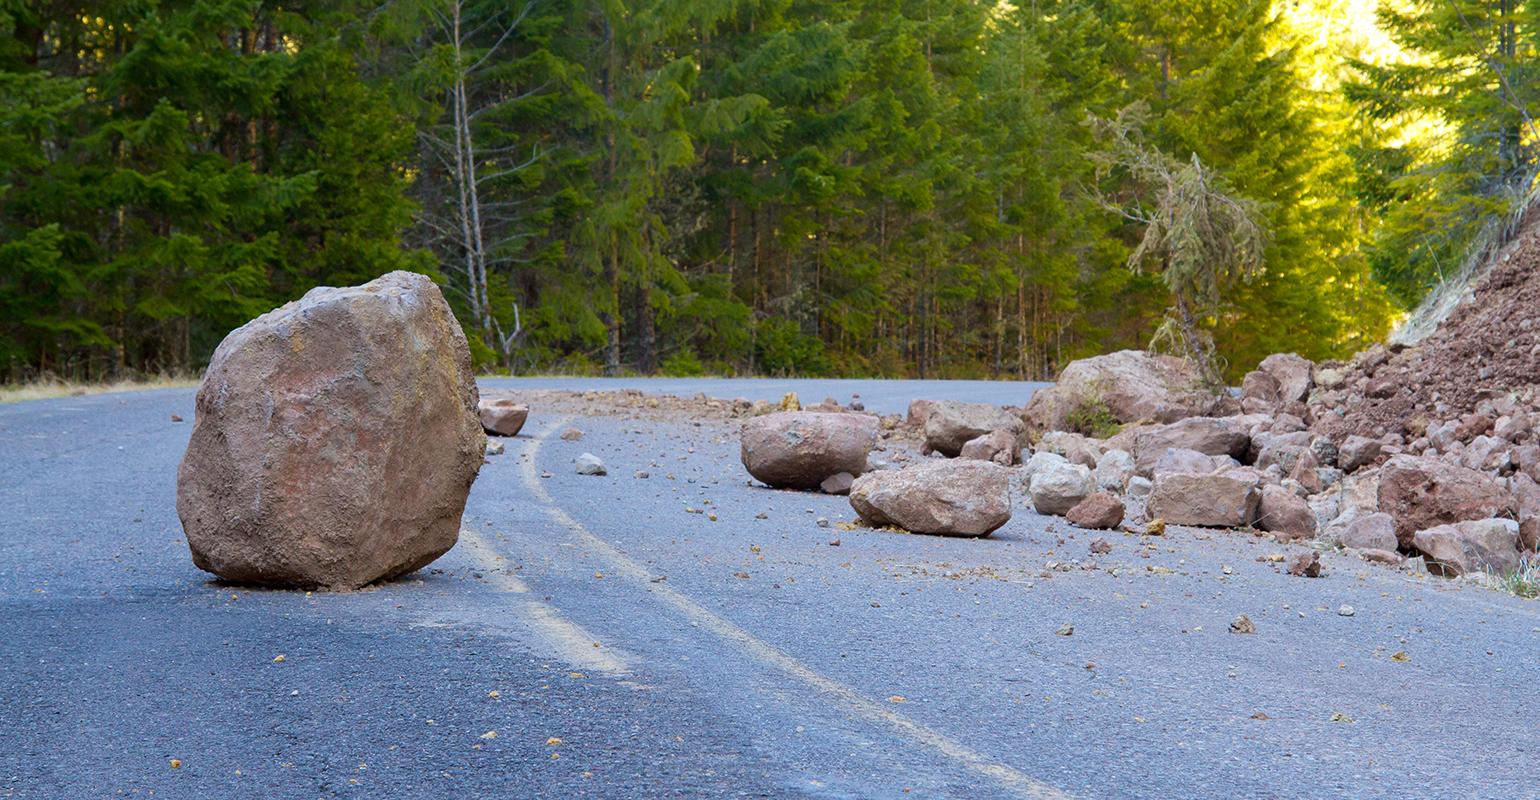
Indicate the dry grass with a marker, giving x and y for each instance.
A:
(45, 388)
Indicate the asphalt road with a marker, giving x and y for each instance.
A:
(592, 637)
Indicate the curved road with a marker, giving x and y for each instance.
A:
(594, 637)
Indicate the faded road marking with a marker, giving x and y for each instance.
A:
(851, 701)
(561, 637)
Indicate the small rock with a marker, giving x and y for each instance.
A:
(1100, 511)
(572, 435)
(643, 474)
(838, 483)
(1344, 610)
(1305, 565)
(589, 464)
(494, 447)
(1243, 624)
(1100, 546)
(502, 416)
(823, 522)
(1066, 630)
(176, 418)
(1155, 527)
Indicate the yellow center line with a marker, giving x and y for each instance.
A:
(851, 702)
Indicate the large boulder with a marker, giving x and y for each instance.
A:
(1207, 435)
(1122, 387)
(1462, 548)
(1113, 470)
(502, 416)
(952, 498)
(1100, 511)
(336, 439)
(1422, 492)
(1191, 462)
(1376, 531)
(951, 424)
(799, 449)
(1221, 499)
(1059, 486)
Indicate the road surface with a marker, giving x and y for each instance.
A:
(592, 637)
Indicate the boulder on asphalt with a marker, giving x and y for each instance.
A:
(1038, 461)
(1000, 446)
(799, 449)
(1077, 449)
(1206, 435)
(1100, 511)
(1422, 493)
(1526, 496)
(951, 424)
(951, 498)
(1113, 470)
(336, 439)
(501, 416)
(1122, 387)
(1375, 531)
(589, 464)
(1225, 499)
(1058, 487)
(1284, 513)
(1463, 548)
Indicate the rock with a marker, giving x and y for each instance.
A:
(1100, 511)
(1375, 531)
(1305, 565)
(1113, 470)
(502, 416)
(589, 464)
(336, 439)
(1464, 548)
(951, 424)
(1075, 448)
(494, 447)
(799, 449)
(1206, 435)
(1345, 610)
(1188, 462)
(572, 435)
(1421, 493)
(953, 498)
(1357, 451)
(1293, 374)
(1260, 390)
(1222, 499)
(1058, 487)
(1526, 495)
(1100, 546)
(1242, 624)
(1126, 386)
(1381, 556)
(1039, 460)
(1003, 447)
(1284, 513)
(919, 411)
(1065, 630)
(1139, 487)
(838, 483)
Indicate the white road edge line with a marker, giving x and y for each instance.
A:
(562, 638)
(853, 702)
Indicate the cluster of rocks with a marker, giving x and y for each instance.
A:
(1124, 440)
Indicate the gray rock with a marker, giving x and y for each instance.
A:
(589, 464)
(952, 498)
(1057, 488)
(950, 424)
(1113, 470)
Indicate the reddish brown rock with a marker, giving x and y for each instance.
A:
(1222, 499)
(1206, 435)
(1284, 513)
(336, 439)
(1486, 545)
(1423, 492)
(838, 483)
(951, 424)
(951, 498)
(1305, 565)
(502, 416)
(799, 449)
(1375, 531)
(1100, 511)
(1357, 451)
(1001, 447)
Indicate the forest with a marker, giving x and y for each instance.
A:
(905, 188)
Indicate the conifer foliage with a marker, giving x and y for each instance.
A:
(865, 187)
